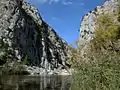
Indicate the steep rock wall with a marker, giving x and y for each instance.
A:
(24, 35)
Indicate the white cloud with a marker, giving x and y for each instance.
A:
(54, 18)
(82, 4)
(45, 1)
(42, 1)
(63, 2)
(53, 1)
(72, 3)
(67, 3)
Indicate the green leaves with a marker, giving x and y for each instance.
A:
(25, 60)
(100, 69)
(106, 30)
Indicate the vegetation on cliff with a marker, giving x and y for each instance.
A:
(100, 67)
(14, 68)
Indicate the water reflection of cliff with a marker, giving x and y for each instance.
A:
(35, 83)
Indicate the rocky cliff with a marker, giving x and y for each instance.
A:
(88, 23)
(25, 37)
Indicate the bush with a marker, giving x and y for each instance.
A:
(14, 68)
(101, 68)
(101, 72)
(107, 30)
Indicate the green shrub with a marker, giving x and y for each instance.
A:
(106, 30)
(100, 73)
(13, 68)
(25, 60)
(101, 68)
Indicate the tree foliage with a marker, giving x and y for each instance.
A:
(101, 70)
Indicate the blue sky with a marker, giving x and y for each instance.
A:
(65, 15)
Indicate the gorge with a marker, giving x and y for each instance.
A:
(25, 38)
(33, 56)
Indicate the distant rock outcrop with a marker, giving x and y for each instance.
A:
(88, 22)
(24, 36)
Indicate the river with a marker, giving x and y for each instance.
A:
(35, 82)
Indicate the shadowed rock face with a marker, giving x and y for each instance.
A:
(24, 35)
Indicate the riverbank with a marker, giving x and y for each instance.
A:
(16, 68)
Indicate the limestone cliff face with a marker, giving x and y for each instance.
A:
(24, 35)
(88, 22)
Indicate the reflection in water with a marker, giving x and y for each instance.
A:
(35, 83)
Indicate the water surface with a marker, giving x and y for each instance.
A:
(35, 82)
